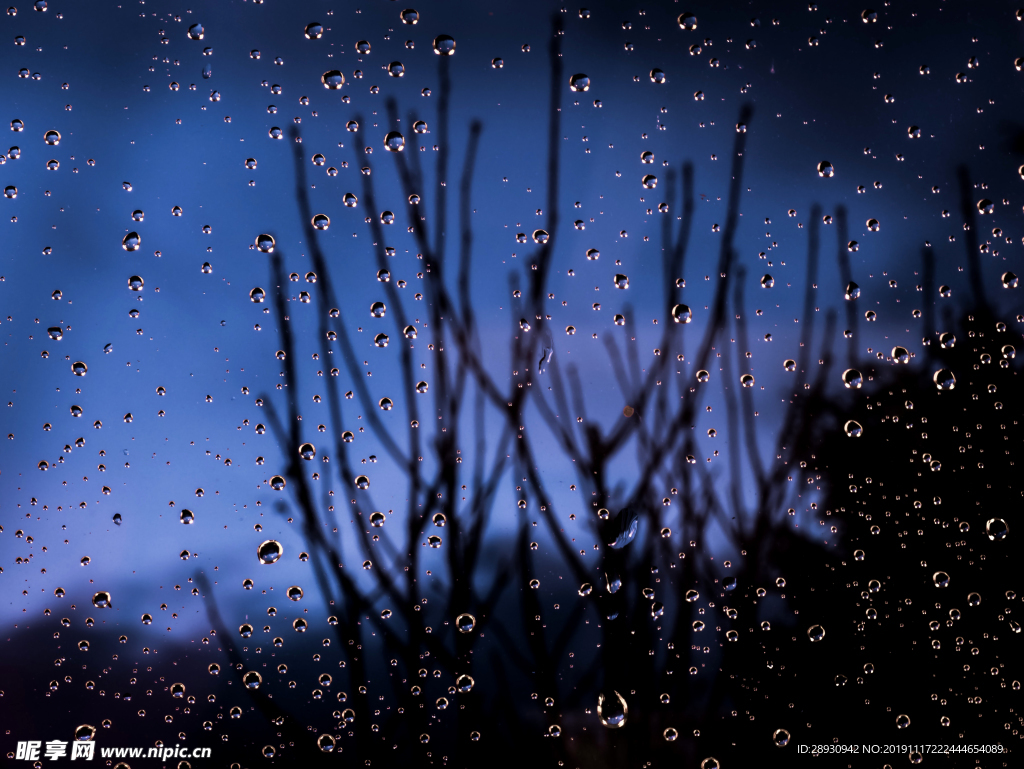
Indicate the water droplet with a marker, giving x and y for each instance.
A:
(396, 69)
(314, 30)
(853, 429)
(131, 242)
(996, 529)
(52, 138)
(612, 710)
(394, 141)
(767, 281)
(325, 742)
(444, 45)
(332, 80)
(681, 313)
(78, 368)
(465, 623)
(269, 551)
(321, 221)
(853, 379)
(815, 633)
(624, 528)
(265, 243)
(101, 600)
(944, 379)
(195, 32)
(579, 83)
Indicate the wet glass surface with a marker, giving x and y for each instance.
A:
(608, 386)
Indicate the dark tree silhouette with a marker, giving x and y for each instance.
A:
(698, 679)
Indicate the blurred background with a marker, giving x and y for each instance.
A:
(131, 245)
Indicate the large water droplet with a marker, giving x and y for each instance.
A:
(687, 21)
(579, 82)
(612, 710)
(332, 79)
(853, 379)
(269, 551)
(996, 529)
(944, 379)
(325, 742)
(444, 45)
